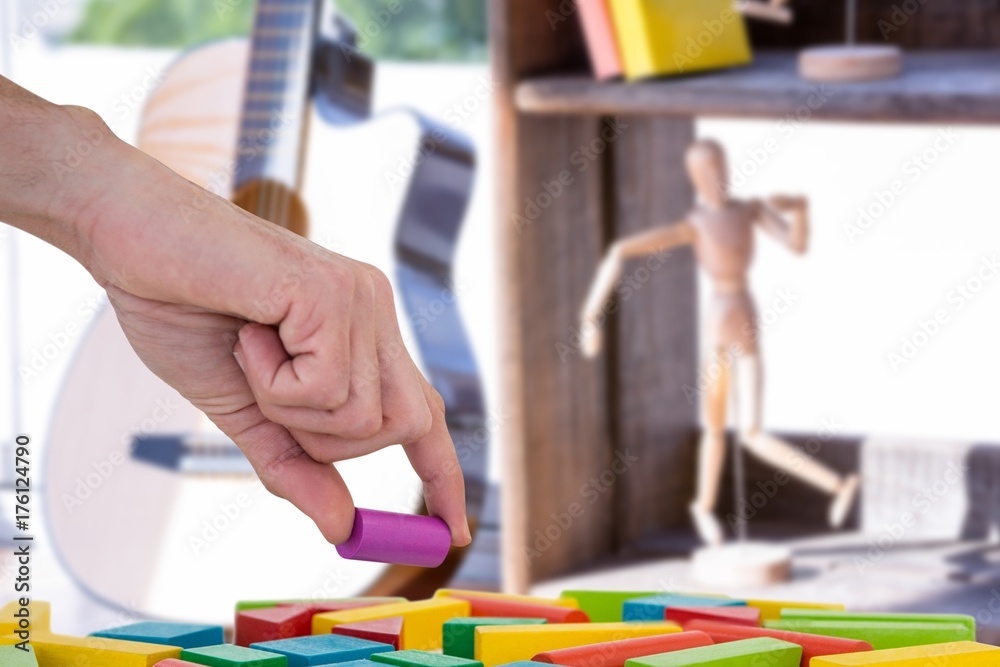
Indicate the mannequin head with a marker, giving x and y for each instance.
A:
(706, 165)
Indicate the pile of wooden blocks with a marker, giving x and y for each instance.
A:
(459, 628)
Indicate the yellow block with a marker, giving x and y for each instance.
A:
(527, 599)
(771, 609)
(659, 37)
(64, 651)
(422, 620)
(39, 617)
(951, 654)
(497, 645)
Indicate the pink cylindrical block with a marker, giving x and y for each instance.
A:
(402, 539)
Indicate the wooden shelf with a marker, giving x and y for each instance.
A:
(939, 87)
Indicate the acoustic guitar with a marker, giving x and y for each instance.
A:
(149, 505)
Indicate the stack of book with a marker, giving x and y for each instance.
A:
(645, 38)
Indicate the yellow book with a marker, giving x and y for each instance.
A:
(950, 654)
(500, 644)
(423, 620)
(665, 37)
(65, 651)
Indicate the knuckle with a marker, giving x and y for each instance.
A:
(334, 394)
(417, 422)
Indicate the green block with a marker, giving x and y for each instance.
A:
(880, 634)
(11, 656)
(244, 605)
(841, 615)
(459, 634)
(745, 652)
(228, 655)
(605, 606)
(422, 659)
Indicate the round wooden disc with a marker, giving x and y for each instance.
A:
(850, 63)
(742, 564)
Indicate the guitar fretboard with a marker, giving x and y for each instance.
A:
(276, 94)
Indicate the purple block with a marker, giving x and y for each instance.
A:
(404, 539)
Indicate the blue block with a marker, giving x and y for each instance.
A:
(654, 608)
(323, 649)
(184, 635)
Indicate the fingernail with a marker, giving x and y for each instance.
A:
(239, 361)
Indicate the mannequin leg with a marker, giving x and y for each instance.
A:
(711, 455)
(779, 453)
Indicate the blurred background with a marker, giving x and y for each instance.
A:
(850, 359)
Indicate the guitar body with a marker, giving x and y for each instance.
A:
(175, 546)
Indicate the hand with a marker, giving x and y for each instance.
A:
(787, 203)
(293, 351)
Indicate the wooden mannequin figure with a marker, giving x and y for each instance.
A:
(721, 230)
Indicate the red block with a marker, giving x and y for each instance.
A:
(264, 625)
(736, 615)
(812, 645)
(174, 662)
(385, 630)
(614, 654)
(509, 609)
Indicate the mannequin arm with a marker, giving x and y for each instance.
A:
(646, 243)
(771, 220)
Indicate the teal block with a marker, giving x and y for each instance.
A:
(759, 651)
(323, 649)
(227, 655)
(423, 659)
(185, 635)
(654, 608)
(459, 634)
(605, 606)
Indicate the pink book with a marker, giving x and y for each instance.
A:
(599, 31)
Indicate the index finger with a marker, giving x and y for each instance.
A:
(435, 461)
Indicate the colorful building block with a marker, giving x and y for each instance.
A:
(496, 645)
(736, 615)
(829, 614)
(64, 651)
(604, 606)
(746, 652)
(530, 599)
(273, 623)
(880, 634)
(327, 604)
(403, 539)
(323, 649)
(952, 654)
(614, 654)
(227, 655)
(423, 659)
(459, 634)
(174, 662)
(771, 609)
(678, 37)
(38, 619)
(422, 620)
(812, 645)
(11, 656)
(493, 608)
(384, 630)
(184, 635)
(654, 608)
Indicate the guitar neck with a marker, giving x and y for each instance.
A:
(275, 99)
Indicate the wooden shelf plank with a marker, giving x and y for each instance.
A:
(937, 87)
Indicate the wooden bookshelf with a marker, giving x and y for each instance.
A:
(567, 419)
(945, 87)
